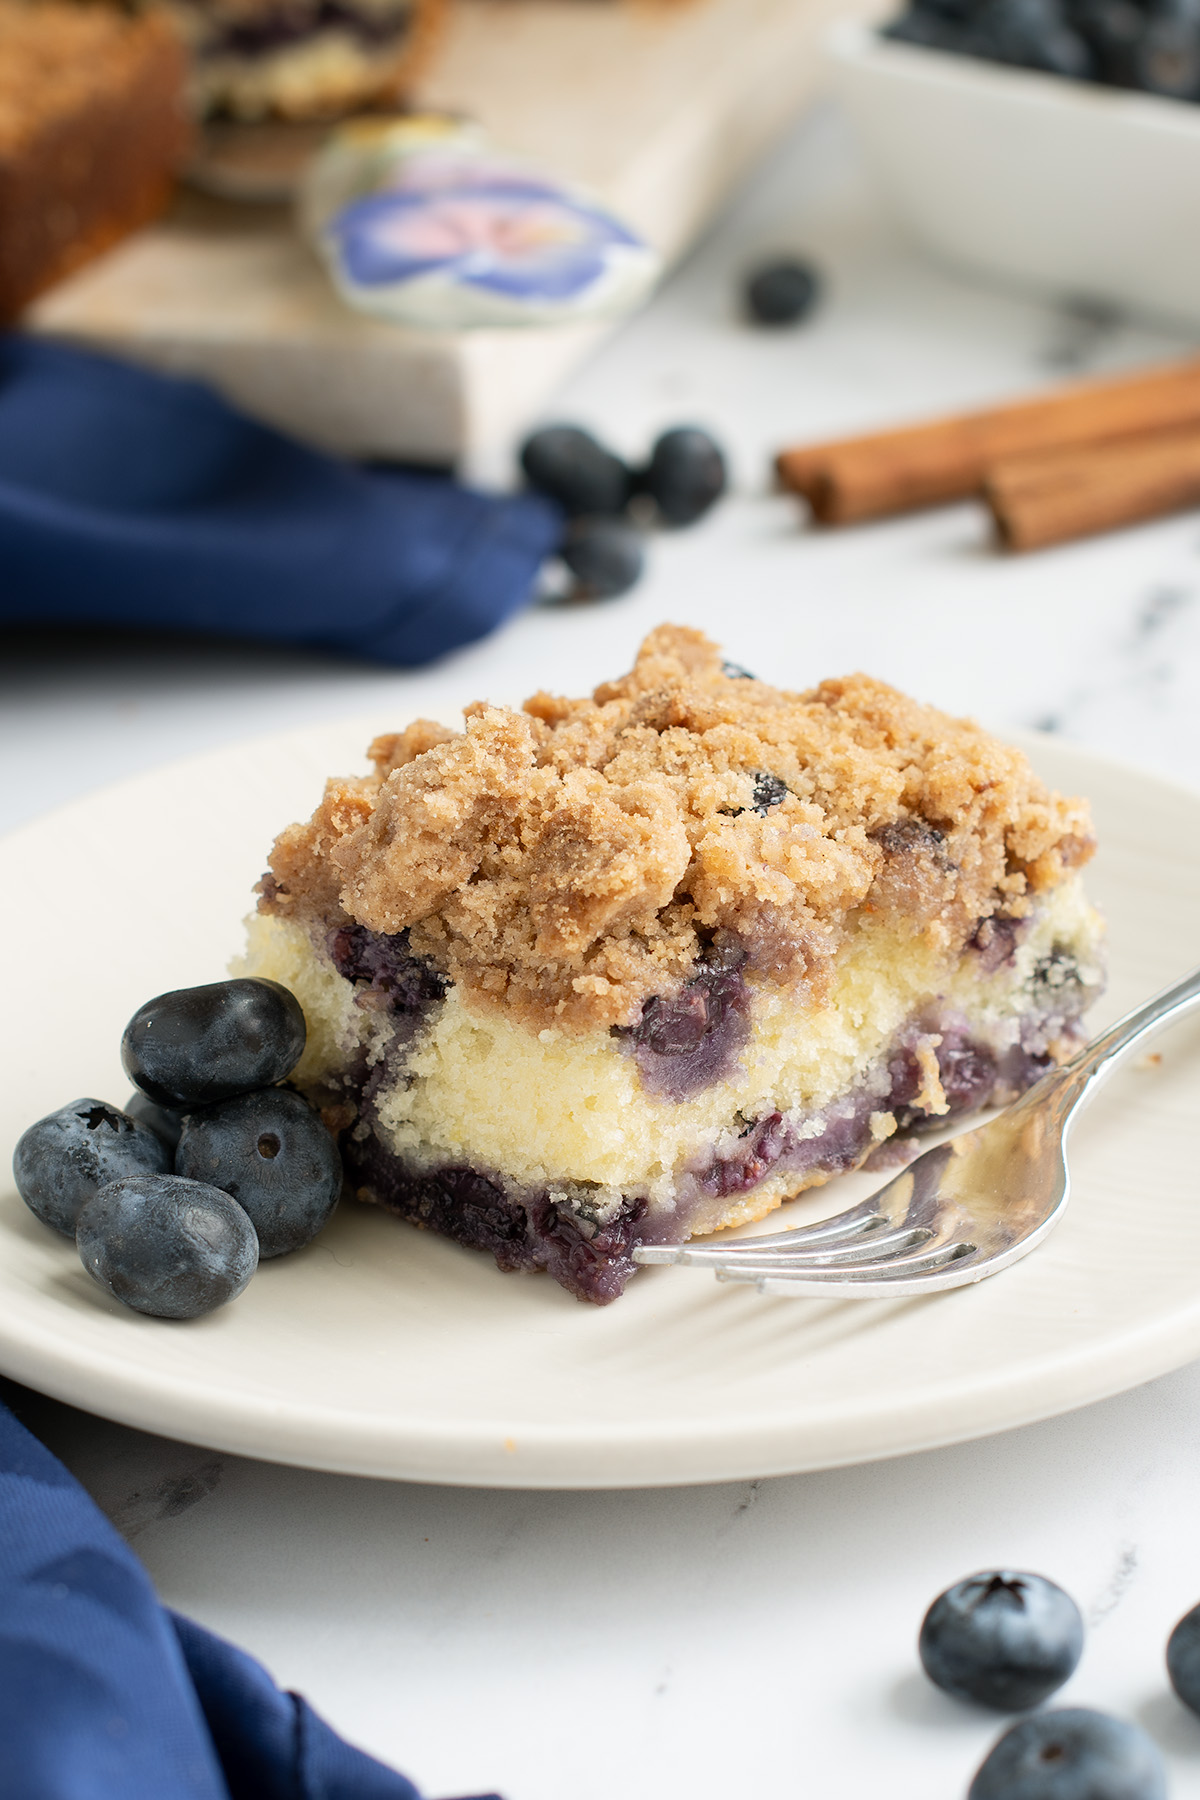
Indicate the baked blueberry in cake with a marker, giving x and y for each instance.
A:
(629, 968)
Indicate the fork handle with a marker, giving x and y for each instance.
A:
(1080, 1078)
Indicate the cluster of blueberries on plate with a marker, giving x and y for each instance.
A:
(607, 500)
(1008, 1640)
(209, 1167)
(1150, 45)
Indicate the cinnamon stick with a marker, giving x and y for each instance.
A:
(1039, 500)
(946, 459)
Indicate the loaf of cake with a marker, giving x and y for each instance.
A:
(302, 59)
(625, 969)
(92, 125)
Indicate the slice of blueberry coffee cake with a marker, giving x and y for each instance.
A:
(620, 970)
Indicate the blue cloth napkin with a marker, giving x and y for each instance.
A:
(134, 499)
(104, 1695)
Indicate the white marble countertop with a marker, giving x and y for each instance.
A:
(756, 1638)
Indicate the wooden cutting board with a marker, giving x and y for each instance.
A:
(660, 108)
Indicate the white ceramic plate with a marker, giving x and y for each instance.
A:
(382, 1350)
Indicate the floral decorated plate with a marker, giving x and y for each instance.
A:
(422, 222)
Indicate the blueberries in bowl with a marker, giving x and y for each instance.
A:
(166, 1246)
(1002, 1639)
(270, 1151)
(61, 1161)
(1030, 34)
(195, 1046)
(1112, 29)
(1153, 47)
(1166, 58)
(1071, 1753)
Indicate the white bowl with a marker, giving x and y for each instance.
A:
(1074, 190)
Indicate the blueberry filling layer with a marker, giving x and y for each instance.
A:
(592, 1260)
(587, 1247)
(972, 1075)
(286, 26)
(562, 1154)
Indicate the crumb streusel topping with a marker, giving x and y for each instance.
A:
(568, 861)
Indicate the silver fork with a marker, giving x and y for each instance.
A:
(957, 1214)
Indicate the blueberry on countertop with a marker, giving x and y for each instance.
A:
(569, 465)
(1071, 1753)
(783, 292)
(685, 475)
(166, 1246)
(1001, 1638)
(61, 1161)
(165, 1122)
(272, 1153)
(199, 1045)
(605, 557)
(1183, 1659)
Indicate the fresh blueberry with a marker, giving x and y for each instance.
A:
(685, 475)
(1001, 1638)
(951, 12)
(164, 1121)
(572, 468)
(61, 1161)
(921, 25)
(273, 1154)
(1063, 51)
(783, 292)
(605, 557)
(1112, 30)
(1167, 56)
(1032, 34)
(1183, 1659)
(166, 1246)
(199, 1045)
(1071, 1753)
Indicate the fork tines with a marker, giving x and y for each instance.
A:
(863, 1245)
